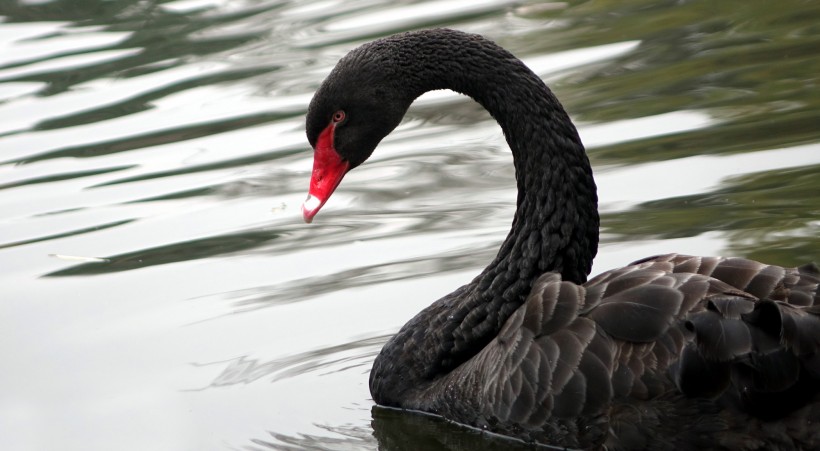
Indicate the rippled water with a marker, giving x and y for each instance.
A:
(159, 289)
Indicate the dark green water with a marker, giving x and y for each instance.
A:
(158, 289)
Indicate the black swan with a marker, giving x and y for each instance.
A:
(669, 352)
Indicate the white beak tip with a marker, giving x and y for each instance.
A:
(310, 207)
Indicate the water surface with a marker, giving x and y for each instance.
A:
(158, 289)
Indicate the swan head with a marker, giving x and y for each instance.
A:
(362, 100)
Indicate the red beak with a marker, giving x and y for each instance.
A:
(328, 170)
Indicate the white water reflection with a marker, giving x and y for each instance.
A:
(190, 6)
(106, 92)
(623, 188)
(18, 44)
(18, 89)
(614, 132)
(398, 16)
(64, 63)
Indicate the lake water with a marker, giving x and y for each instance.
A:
(159, 290)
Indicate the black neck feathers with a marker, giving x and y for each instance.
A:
(555, 227)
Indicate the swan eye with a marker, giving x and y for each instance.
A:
(338, 116)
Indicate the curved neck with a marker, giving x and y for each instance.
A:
(555, 227)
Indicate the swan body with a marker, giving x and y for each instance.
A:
(669, 352)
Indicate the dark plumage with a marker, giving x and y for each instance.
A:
(670, 352)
